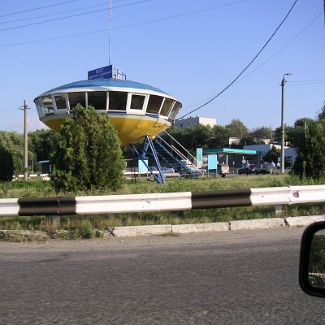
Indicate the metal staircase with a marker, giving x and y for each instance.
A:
(176, 156)
(163, 153)
(147, 151)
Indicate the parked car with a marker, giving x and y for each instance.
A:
(266, 168)
(251, 169)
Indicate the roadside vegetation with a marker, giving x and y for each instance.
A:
(88, 154)
(75, 227)
(82, 167)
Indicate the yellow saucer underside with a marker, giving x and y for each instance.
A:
(130, 129)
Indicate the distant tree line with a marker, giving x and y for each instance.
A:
(218, 135)
(40, 144)
(307, 135)
(85, 154)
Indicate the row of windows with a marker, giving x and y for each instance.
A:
(114, 100)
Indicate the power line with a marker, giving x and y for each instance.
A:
(70, 16)
(309, 83)
(306, 81)
(56, 38)
(247, 66)
(51, 20)
(8, 110)
(282, 48)
(37, 8)
(181, 15)
(53, 13)
(123, 27)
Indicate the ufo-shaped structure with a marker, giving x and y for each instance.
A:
(137, 110)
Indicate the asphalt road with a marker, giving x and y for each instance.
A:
(248, 277)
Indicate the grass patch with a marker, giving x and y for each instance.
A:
(93, 226)
(169, 234)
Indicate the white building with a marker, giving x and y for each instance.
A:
(193, 121)
(233, 140)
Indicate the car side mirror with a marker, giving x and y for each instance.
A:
(312, 260)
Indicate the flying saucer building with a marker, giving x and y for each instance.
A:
(134, 108)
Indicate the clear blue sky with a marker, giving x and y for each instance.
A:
(191, 49)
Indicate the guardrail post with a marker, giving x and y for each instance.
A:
(278, 209)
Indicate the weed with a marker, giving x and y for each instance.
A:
(86, 230)
(99, 234)
(169, 234)
(75, 234)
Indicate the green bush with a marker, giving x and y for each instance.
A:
(310, 161)
(87, 230)
(6, 165)
(88, 156)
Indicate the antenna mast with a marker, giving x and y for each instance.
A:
(110, 30)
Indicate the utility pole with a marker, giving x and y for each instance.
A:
(282, 122)
(25, 108)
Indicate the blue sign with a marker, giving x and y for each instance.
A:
(212, 162)
(108, 72)
(142, 168)
(199, 157)
(101, 73)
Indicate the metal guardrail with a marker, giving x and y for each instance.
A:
(154, 202)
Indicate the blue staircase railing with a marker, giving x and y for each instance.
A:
(159, 150)
(143, 153)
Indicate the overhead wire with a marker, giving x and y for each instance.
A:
(8, 110)
(70, 16)
(306, 82)
(247, 66)
(55, 38)
(43, 7)
(123, 27)
(283, 47)
(37, 8)
(181, 15)
(53, 13)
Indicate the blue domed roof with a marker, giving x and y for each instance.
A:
(106, 83)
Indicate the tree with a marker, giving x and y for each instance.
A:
(88, 155)
(321, 115)
(302, 122)
(272, 155)
(42, 143)
(310, 161)
(14, 143)
(289, 134)
(199, 136)
(237, 129)
(262, 133)
(6, 165)
(219, 137)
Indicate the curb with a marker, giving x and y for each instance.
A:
(302, 221)
(267, 223)
(156, 230)
(139, 231)
(200, 227)
(257, 224)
